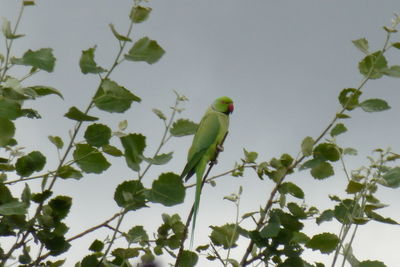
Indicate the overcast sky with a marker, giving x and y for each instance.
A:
(282, 62)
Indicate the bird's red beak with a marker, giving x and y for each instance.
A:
(231, 108)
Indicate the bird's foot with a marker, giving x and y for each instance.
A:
(214, 162)
(220, 148)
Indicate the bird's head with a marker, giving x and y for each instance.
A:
(223, 104)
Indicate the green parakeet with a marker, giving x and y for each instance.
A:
(212, 129)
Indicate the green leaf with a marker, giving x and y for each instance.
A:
(42, 59)
(348, 98)
(369, 263)
(362, 45)
(89, 261)
(54, 243)
(292, 189)
(325, 242)
(7, 32)
(134, 145)
(392, 178)
(338, 129)
(350, 151)
(130, 195)
(97, 135)
(30, 163)
(374, 105)
(60, 206)
(168, 190)
(396, 45)
(354, 187)
(112, 150)
(13, 208)
(296, 210)
(393, 71)
(139, 14)
(112, 97)
(307, 146)
(137, 234)
(77, 115)
(250, 157)
(225, 235)
(30, 3)
(125, 253)
(343, 212)
(327, 151)
(42, 90)
(41, 197)
(26, 195)
(89, 159)
(9, 109)
(87, 63)
(96, 246)
(373, 65)
(188, 259)
(57, 141)
(119, 36)
(160, 159)
(326, 215)
(145, 50)
(322, 171)
(379, 218)
(183, 127)
(272, 229)
(159, 114)
(342, 116)
(66, 172)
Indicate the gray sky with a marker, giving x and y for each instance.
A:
(282, 62)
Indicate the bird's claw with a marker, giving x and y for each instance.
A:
(214, 162)
(220, 148)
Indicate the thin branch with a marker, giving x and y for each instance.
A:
(121, 217)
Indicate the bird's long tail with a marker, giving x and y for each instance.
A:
(199, 180)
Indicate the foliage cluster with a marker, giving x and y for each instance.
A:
(34, 221)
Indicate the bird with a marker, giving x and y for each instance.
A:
(207, 143)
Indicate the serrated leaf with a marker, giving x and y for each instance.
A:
(9, 109)
(97, 135)
(96, 246)
(188, 259)
(338, 129)
(183, 127)
(322, 170)
(42, 90)
(57, 141)
(13, 208)
(272, 229)
(168, 190)
(89, 159)
(119, 37)
(224, 236)
(372, 65)
(137, 234)
(130, 195)
(139, 14)
(145, 50)
(292, 189)
(42, 59)
(125, 253)
(392, 178)
(159, 114)
(369, 263)
(325, 242)
(112, 150)
(326, 215)
(327, 151)
(296, 210)
(379, 218)
(348, 98)
(77, 115)
(33, 162)
(393, 71)
(250, 157)
(112, 97)
(60, 206)
(342, 116)
(354, 187)
(160, 159)
(26, 195)
(66, 172)
(362, 45)
(307, 146)
(87, 63)
(134, 145)
(374, 105)
(350, 151)
(396, 45)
